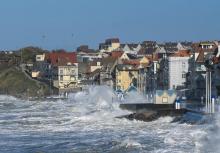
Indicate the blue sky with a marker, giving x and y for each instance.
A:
(54, 24)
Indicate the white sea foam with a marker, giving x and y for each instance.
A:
(86, 123)
(128, 143)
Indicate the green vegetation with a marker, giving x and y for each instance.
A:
(28, 54)
(14, 82)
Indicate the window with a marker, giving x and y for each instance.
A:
(61, 71)
(118, 87)
(61, 78)
(183, 64)
(164, 99)
(73, 78)
(73, 72)
(184, 75)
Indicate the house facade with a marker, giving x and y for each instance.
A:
(196, 78)
(126, 76)
(65, 76)
(109, 45)
(178, 68)
(64, 69)
(173, 70)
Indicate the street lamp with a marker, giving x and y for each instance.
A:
(209, 67)
(50, 75)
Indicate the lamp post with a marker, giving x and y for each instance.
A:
(50, 75)
(209, 102)
(154, 80)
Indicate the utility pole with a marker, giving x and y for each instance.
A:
(209, 101)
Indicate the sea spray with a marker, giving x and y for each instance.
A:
(211, 140)
(86, 123)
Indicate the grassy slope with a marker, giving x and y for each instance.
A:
(14, 82)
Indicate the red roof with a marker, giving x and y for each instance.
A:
(181, 53)
(62, 58)
(132, 62)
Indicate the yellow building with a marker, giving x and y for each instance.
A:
(144, 61)
(126, 75)
(113, 46)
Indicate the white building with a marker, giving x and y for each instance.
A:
(66, 76)
(178, 67)
(40, 57)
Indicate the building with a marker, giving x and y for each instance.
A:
(101, 72)
(41, 68)
(216, 74)
(165, 97)
(196, 77)
(64, 69)
(132, 73)
(65, 76)
(87, 55)
(107, 72)
(151, 77)
(40, 57)
(109, 45)
(95, 65)
(173, 70)
(143, 69)
(207, 45)
(178, 67)
(126, 76)
(116, 54)
(131, 48)
(146, 52)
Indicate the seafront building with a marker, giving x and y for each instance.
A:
(59, 69)
(126, 77)
(65, 76)
(196, 78)
(178, 67)
(144, 67)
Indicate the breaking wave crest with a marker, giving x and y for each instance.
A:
(86, 123)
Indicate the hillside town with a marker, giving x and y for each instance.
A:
(143, 67)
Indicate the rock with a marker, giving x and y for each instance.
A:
(144, 116)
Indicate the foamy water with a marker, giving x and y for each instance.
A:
(86, 123)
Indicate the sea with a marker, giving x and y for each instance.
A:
(86, 123)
